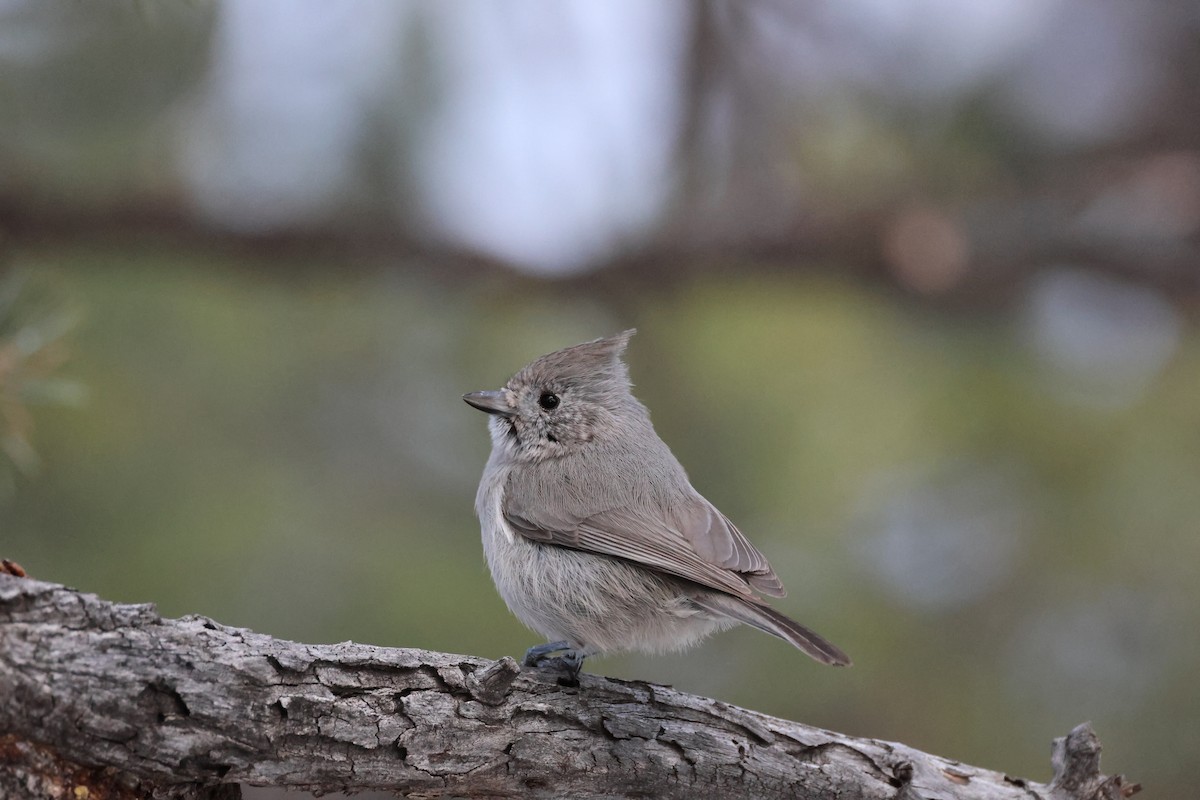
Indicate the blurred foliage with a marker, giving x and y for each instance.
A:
(1001, 561)
(81, 134)
(34, 325)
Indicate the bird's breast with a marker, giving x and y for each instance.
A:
(489, 506)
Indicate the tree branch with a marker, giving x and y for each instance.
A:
(97, 691)
(1007, 245)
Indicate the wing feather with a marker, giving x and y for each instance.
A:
(691, 540)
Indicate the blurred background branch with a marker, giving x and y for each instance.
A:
(949, 160)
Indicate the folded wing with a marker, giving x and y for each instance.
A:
(691, 540)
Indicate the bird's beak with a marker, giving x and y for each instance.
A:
(493, 402)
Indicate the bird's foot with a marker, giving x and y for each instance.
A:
(570, 662)
(535, 655)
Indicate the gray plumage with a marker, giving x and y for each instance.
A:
(594, 536)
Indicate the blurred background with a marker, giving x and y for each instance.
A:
(916, 287)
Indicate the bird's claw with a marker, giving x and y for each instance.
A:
(535, 655)
(570, 661)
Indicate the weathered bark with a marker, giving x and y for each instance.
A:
(139, 705)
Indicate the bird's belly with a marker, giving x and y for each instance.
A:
(597, 603)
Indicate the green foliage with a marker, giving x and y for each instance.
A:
(35, 323)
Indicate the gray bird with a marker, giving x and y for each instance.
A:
(593, 534)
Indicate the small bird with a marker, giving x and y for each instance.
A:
(593, 534)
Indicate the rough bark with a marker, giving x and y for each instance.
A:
(105, 700)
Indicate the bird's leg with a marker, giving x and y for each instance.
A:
(539, 652)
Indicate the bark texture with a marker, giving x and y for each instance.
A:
(102, 700)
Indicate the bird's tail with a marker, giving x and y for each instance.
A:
(771, 621)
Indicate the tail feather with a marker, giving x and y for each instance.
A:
(771, 621)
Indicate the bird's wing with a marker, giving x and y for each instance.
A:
(691, 540)
(718, 541)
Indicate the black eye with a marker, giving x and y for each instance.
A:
(549, 401)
